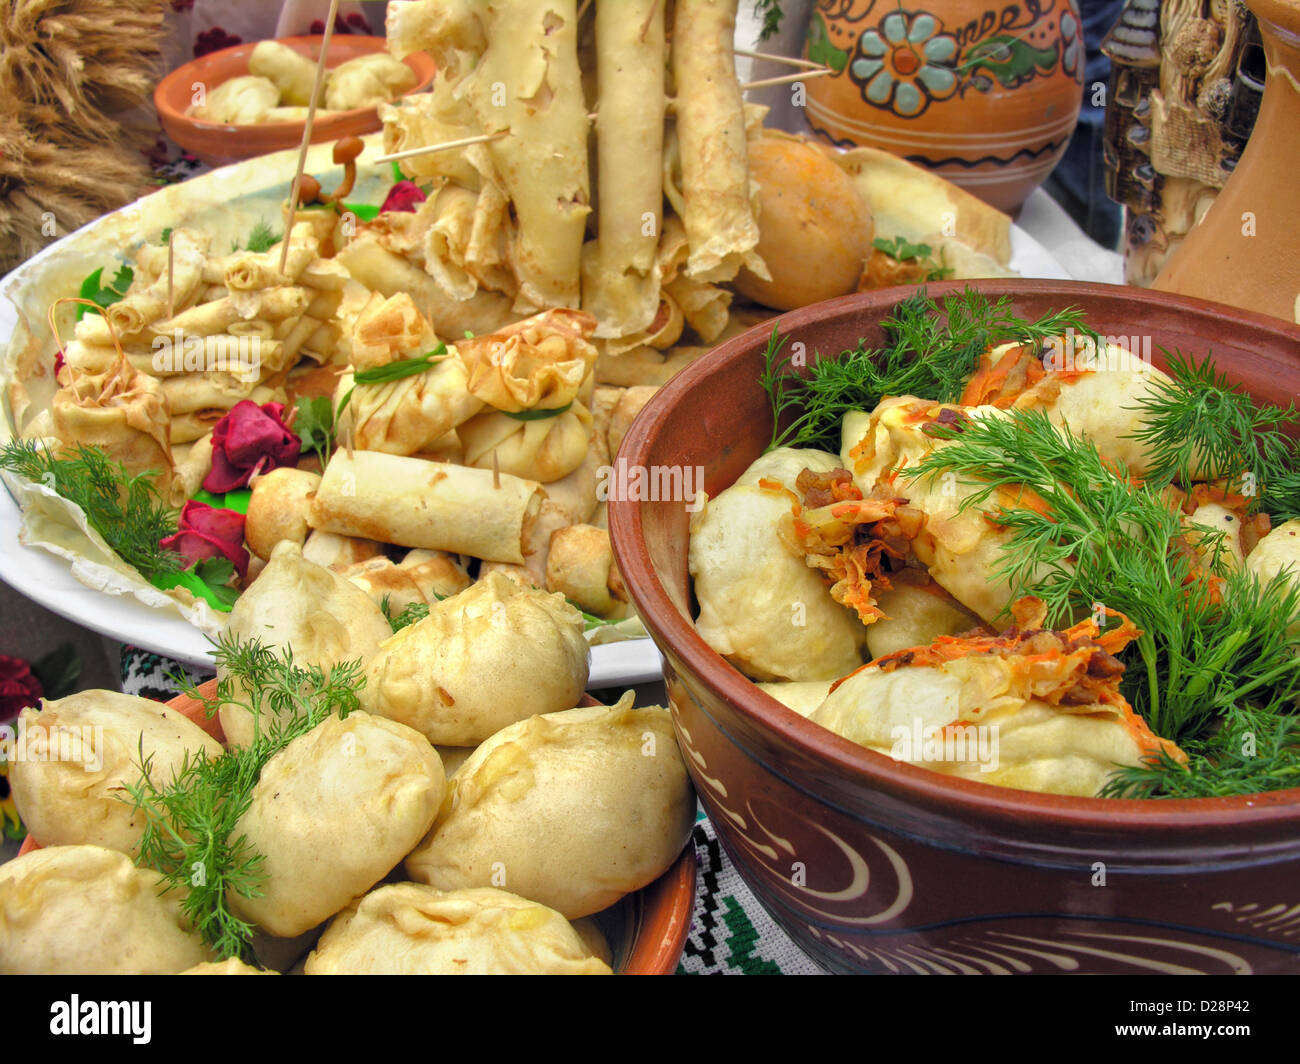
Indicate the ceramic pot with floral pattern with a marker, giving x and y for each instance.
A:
(985, 93)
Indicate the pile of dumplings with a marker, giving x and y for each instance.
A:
(467, 819)
(279, 84)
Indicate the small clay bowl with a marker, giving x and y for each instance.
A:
(218, 144)
(875, 865)
(647, 930)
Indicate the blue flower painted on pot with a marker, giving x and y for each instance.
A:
(903, 64)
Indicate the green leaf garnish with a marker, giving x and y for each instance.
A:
(104, 295)
(538, 415)
(406, 367)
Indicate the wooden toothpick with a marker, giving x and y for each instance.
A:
(306, 132)
(428, 149)
(787, 60)
(786, 79)
(171, 285)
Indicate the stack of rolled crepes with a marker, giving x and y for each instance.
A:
(194, 334)
(507, 225)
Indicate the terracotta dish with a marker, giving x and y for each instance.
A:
(646, 930)
(875, 865)
(218, 144)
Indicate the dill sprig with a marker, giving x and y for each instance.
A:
(410, 614)
(189, 834)
(1200, 426)
(126, 510)
(930, 353)
(1213, 644)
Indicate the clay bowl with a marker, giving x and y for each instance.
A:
(874, 865)
(218, 144)
(646, 930)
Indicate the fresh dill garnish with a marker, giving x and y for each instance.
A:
(930, 353)
(1200, 426)
(126, 510)
(410, 614)
(1212, 643)
(1249, 746)
(261, 239)
(190, 820)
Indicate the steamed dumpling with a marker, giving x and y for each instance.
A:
(332, 814)
(86, 910)
(411, 929)
(366, 81)
(571, 809)
(82, 753)
(322, 617)
(494, 654)
(241, 101)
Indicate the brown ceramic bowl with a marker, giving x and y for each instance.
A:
(875, 865)
(647, 930)
(217, 144)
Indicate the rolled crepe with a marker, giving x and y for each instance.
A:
(712, 143)
(291, 71)
(415, 503)
(620, 285)
(527, 83)
(145, 304)
(451, 31)
(381, 270)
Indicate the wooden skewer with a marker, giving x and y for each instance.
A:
(788, 60)
(461, 142)
(306, 131)
(786, 79)
(426, 149)
(171, 286)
